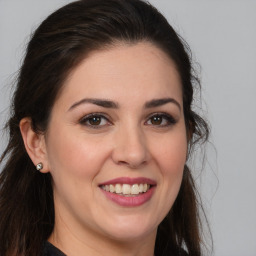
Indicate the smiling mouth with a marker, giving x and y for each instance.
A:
(126, 189)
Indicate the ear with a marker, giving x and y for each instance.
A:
(34, 144)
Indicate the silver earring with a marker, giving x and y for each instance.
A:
(39, 166)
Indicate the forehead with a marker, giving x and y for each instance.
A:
(124, 71)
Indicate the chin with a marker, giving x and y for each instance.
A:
(131, 229)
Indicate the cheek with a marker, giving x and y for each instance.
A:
(74, 163)
(171, 158)
(75, 156)
(172, 154)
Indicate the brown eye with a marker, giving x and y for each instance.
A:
(96, 120)
(161, 120)
(156, 120)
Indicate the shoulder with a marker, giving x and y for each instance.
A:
(51, 250)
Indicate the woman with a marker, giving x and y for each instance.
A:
(100, 133)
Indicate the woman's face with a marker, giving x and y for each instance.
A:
(116, 144)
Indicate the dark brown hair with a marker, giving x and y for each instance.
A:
(60, 43)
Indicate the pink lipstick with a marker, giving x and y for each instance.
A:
(129, 192)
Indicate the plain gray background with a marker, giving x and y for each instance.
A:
(222, 36)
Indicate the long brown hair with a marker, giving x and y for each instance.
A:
(59, 44)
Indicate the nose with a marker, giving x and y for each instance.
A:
(130, 148)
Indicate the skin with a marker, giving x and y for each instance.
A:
(126, 143)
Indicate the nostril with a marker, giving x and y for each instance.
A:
(122, 163)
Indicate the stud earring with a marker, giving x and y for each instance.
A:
(39, 166)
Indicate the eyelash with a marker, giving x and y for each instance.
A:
(86, 119)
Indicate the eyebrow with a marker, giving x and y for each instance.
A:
(160, 102)
(99, 102)
(111, 104)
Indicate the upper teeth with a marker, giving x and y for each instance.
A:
(126, 189)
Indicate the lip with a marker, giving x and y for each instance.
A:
(130, 201)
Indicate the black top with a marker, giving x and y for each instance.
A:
(50, 250)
